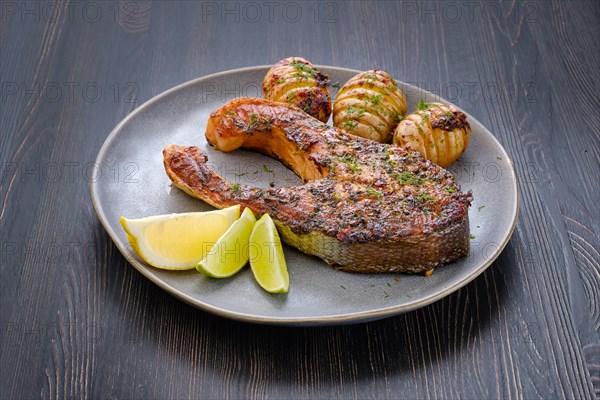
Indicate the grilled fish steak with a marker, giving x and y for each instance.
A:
(365, 206)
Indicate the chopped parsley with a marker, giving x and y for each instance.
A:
(399, 117)
(450, 189)
(424, 197)
(408, 178)
(266, 169)
(303, 70)
(343, 287)
(375, 99)
(423, 106)
(349, 125)
(385, 294)
(336, 85)
(359, 112)
(375, 193)
(350, 162)
(388, 159)
(235, 187)
(472, 236)
(253, 119)
(480, 208)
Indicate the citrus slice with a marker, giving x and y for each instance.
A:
(230, 252)
(266, 257)
(178, 241)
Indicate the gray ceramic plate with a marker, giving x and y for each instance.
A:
(131, 181)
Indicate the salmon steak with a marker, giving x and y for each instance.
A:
(364, 206)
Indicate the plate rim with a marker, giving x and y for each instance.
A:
(346, 318)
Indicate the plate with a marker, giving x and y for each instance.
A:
(129, 180)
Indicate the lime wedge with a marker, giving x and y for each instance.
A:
(178, 241)
(266, 257)
(230, 252)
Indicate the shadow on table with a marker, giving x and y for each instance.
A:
(399, 348)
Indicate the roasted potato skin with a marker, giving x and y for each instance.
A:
(296, 81)
(439, 132)
(369, 105)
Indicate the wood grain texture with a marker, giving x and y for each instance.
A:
(78, 322)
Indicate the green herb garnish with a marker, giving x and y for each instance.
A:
(350, 162)
(375, 193)
(408, 178)
(349, 125)
(375, 99)
(358, 111)
(253, 118)
(424, 197)
(303, 70)
(423, 106)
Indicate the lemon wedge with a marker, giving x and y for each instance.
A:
(230, 252)
(266, 257)
(178, 241)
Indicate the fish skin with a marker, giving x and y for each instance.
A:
(365, 206)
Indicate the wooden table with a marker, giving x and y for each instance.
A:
(79, 322)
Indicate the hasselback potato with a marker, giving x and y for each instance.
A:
(369, 105)
(440, 133)
(296, 81)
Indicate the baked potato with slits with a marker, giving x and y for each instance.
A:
(440, 133)
(296, 81)
(370, 105)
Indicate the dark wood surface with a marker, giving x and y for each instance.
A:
(79, 322)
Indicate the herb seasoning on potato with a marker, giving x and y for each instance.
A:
(440, 133)
(297, 82)
(369, 105)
